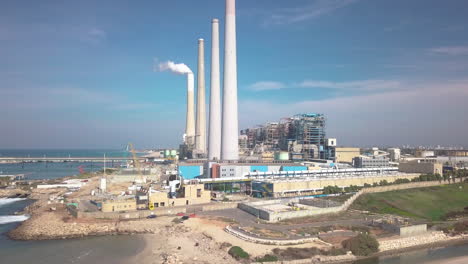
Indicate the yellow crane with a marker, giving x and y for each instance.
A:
(136, 164)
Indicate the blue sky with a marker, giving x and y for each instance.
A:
(80, 74)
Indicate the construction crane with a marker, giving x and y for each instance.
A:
(136, 165)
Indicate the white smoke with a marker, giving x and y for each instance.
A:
(177, 68)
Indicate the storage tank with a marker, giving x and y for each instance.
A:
(173, 153)
(167, 153)
(282, 155)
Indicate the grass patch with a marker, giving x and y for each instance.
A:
(267, 258)
(432, 203)
(238, 253)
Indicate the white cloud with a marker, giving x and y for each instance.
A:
(451, 50)
(94, 36)
(366, 85)
(427, 113)
(267, 85)
(362, 85)
(313, 10)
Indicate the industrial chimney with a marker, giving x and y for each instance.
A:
(200, 136)
(230, 131)
(214, 136)
(190, 124)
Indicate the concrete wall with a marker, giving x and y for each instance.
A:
(421, 167)
(318, 184)
(406, 231)
(190, 197)
(119, 205)
(346, 155)
(219, 206)
(128, 215)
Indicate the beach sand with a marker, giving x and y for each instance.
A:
(198, 240)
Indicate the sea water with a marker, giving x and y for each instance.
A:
(53, 170)
(104, 250)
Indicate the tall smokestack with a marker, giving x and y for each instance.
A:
(190, 124)
(180, 68)
(200, 137)
(214, 136)
(230, 131)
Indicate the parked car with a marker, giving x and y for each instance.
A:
(151, 216)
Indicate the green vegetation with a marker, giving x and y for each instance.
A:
(267, 258)
(292, 253)
(457, 228)
(362, 245)
(238, 253)
(431, 203)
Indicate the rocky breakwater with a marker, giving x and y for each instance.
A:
(416, 241)
(54, 225)
(13, 193)
(47, 224)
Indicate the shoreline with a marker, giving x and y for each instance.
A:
(162, 230)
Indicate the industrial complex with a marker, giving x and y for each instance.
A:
(287, 169)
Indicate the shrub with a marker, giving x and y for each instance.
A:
(401, 181)
(267, 258)
(461, 227)
(238, 253)
(332, 190)
(361, 245)
(334, 252)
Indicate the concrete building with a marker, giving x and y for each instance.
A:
(189, 194)
(296, 186)
(425, 166)
(371, 162)
(395, 154)
(190, 171)
(119, 205)
(421, 153)
(346, 155)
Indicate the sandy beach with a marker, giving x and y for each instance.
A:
(198, 240)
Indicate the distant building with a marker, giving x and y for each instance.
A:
(426, 166)
(395, 154)
(346, 155)
(424, 153)
(119, 205)
(371, 162)
(302, 134)
(188, 194)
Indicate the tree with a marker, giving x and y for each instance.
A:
(361, 245)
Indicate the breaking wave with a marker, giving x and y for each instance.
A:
(6, 219)
(5, 201)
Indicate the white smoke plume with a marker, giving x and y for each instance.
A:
(177, 68)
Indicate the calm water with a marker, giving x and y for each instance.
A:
(52, 170)
(421, 256)
(104, 250)
(53, 153)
